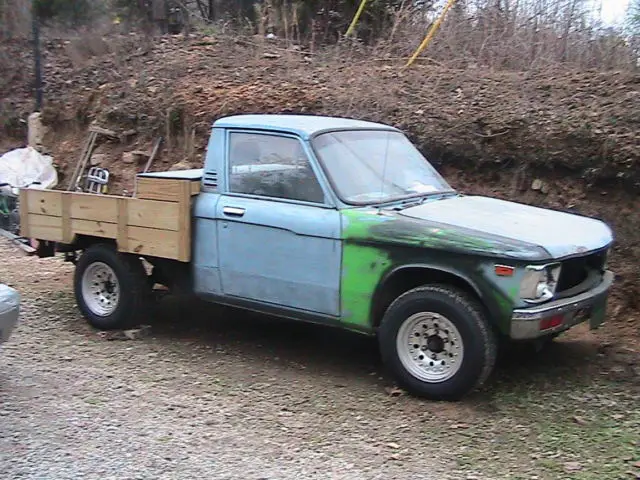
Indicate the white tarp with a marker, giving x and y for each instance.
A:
(22, 167)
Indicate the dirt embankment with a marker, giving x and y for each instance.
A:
(489, 132)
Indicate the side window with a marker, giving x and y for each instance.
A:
(271, 166)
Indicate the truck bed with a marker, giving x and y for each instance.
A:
(157, 222)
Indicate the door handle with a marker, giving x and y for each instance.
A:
(233, 211)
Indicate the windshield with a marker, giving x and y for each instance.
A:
(369, 166)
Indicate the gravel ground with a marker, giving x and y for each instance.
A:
(210, 393)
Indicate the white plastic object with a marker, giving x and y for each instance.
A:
(23, 167)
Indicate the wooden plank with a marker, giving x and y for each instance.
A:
(24, 212)
(193, 174)
(16, 240)
(44, 202)
(184, 225)
(76, 169)
(166, 189)
(67, 234)
(103, 131)
(123, 227)
(153, 214)
(93, 228)
(154, 152)
(153, 242)
(83, 164)
(36, 220)
(88, 206)
(45, 227)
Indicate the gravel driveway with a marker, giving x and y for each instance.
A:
(209, 393)
(212, 392)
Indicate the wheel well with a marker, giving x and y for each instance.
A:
(408, 278)
(171, 273)
(167, 272)
(82, 242)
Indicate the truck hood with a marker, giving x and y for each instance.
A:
(560, 234)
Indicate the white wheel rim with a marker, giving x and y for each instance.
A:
(100, 289)
(430, 347)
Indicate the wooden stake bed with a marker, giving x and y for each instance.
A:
(157, 223)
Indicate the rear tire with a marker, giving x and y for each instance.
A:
(436, 342)
(111, 288)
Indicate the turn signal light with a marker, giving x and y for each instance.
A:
(504, 270)
(551, 322)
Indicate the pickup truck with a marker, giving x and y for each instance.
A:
(339, 222)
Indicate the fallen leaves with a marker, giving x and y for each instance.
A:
(394, 391)
(458, 426)
(579, 420)
(132, 334)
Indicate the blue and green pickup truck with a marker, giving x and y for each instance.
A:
(338, 222)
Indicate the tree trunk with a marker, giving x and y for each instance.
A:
(212, 10)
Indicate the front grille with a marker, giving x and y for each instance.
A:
(575, 270)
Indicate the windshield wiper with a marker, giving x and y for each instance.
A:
(409, 202)
(416, 201)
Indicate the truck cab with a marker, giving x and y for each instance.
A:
(272, 223)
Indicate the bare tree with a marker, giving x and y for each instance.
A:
(523, 34)
(206, 9)
(15, 18)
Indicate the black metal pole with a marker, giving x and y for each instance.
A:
(38, 59)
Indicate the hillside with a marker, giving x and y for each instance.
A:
(489, 132)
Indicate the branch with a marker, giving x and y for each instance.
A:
(493, 134)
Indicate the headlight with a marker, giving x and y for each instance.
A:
(539, 282)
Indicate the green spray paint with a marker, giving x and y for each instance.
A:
(362, 267)
(376, 242)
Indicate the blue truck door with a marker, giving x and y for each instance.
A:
(278, 237)
(206, 263)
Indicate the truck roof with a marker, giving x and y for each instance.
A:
(305, 126)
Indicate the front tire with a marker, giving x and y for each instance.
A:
(111, 288)
(436, 342)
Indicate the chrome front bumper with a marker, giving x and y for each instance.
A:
(9, 311)
(590, 305)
